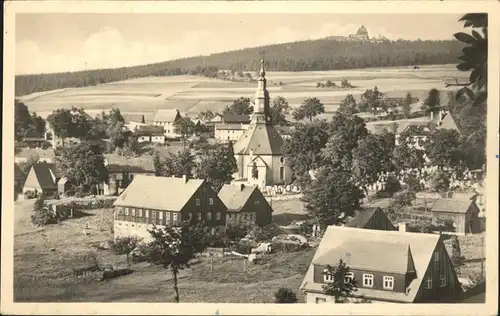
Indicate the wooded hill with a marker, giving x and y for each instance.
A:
(314, 55)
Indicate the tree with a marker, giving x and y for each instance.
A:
(310, 108)
(114, 117)
(348, 105)
(125, 245)
(432, 102)
(241, 106)
(412, 183)
(302, 150)
(206, 115)
(174, 247)
(24, 121)
(332, 196)
(402, 200)
(373, 100)
(176, 164)
(118, 135)
(444, 148)
(407, 101)
(278, 110)
(70, 123)
(440, 182)
(184, 127)
(369, 160)
(345, 84)
(407, 157)
(285, 295)
(391, 185)
(475, 58)
(342, 286)
(83, 165)
(216, 164)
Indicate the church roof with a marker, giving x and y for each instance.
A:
(260, 139)
(362, 31)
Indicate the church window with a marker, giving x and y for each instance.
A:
(255, 171)
(282, 159)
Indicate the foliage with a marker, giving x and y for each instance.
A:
(332, 196)
(206, 115)
(412, 183)
(240, 106)
(175, 164)
(83, 165)
(279, 108)
(440, 182)
(125, 245)
(474, 58)
(369, 160)
(310, 108)
(302, 150)
(406, 156)
(216, 164)
(174, 247)
(41, 215)
(264, 233)
(348, 105)
(235, 232)
(432, 102)
(444, 148)
(118, 135)
(402, 200)
(345, 84)
(285, 295)
(456, 254)
(392, 185)
(407, 101)
(184, 127)
(25, 122)
(323, 54)
(341, 287)
(374, 101)
(70, 123)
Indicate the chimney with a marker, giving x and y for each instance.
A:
(185, 178)
(403, 227)
(432, 115)
(242, 186)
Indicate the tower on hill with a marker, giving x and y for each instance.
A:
(258, 151)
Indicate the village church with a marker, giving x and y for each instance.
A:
(259, 151)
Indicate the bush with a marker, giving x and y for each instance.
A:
(43, 217)
(456, 253)
(32, 194)
(46, 145)
(285, 295)
(288, 247)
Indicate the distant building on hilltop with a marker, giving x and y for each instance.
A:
(259, 150)
(361, 34)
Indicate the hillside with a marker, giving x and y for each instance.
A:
(314, 55)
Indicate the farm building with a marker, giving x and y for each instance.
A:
(229, 132)
(229, 118)
(33, 139)
(42, 178)
(388, 266)
(167, 118)
(245, 203)
(165, 201)
(463, 212)
(122, 170)
(150, 134)
(258, 151)
(371, 218)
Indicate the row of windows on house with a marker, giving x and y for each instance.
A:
(388, 281)
(159, 214)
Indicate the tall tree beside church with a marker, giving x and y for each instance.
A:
(278, 109)
(176, 164)
(184, 127)
(432, 102)
(217, 165)
(240, 106)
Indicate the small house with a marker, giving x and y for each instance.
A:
(229, 118)
(387, 266)
(371, 218)
(33, 139)
(229, 132)
(463, 212)
(167, 118)
(245, 204)
(122, 170)
(42, 178)
(150, 134)
(166, 201)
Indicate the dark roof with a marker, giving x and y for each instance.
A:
(33, 135)
(133, 117)
(362, 217)
(43, 172)
(147, 130)
(130, 164)
(452, 205)
(235, 118)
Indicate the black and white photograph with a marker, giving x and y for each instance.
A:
(248, 157)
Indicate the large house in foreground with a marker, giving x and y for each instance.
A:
(43, 178)
(166, 201)
(388, 266)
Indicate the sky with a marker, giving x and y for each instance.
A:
(70, 42)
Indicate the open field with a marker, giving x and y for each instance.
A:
(42, 274)
(192, 94)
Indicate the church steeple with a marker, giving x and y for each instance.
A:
(261, 99)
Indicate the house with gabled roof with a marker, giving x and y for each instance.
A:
(42, 178)
(463, 212)
(245, 204)
(167, 118)
(149, 134)
(166, 201)
(388, 266)
(229, 132)
(447, 122)
(122, 170)
(370, 218)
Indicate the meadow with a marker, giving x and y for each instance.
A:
(193, 94)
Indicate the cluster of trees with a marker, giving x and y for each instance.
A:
(214, 163)
(26, 122)
(279, 107)
(301, 56)
(330, 84)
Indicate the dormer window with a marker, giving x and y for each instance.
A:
(327, 277)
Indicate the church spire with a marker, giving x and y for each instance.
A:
(262, 71)
(261, 99)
